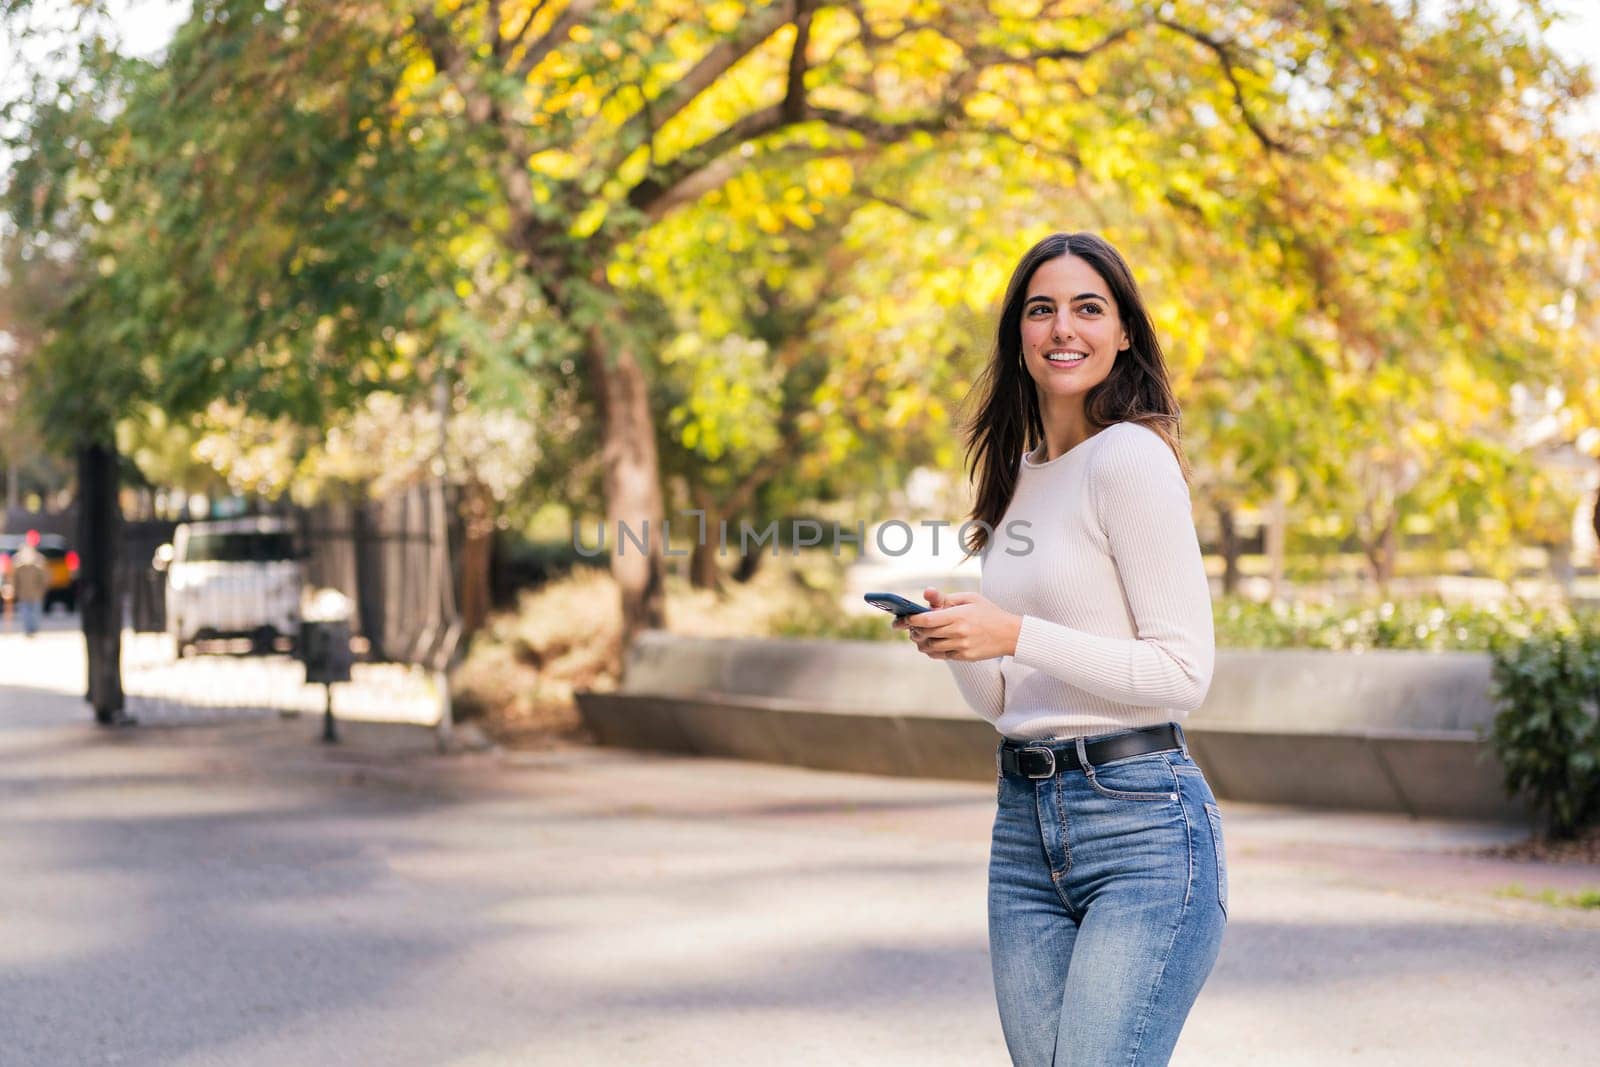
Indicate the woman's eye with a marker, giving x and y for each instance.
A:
(1038, 308)
(1089, 309)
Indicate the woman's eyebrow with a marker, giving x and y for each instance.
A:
(1074, 300)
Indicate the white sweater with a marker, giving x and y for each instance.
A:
(1116, 628)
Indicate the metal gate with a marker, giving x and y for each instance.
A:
(213, 611)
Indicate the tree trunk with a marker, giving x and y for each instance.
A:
(704, 573)
(477, 520)
(99, 539)
(1228, 545)
(749, 564)
(630, 478)
(1381, 551)
(1277, 541)
(1391, 555)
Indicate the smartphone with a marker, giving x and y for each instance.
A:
(898, 605)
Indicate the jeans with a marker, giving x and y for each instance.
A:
(1108, 893)
(28, 612)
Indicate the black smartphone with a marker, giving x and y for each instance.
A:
(898, 605)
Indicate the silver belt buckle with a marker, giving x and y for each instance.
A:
(1048, 752)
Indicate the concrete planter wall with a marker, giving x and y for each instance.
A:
(1387, 731)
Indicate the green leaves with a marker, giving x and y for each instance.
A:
(1356, 231)
(1419, 624)
(1547, 731)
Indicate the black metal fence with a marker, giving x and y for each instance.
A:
(391, 559)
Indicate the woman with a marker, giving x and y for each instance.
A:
(1091, 638)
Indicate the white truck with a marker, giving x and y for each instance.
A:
(233, 578)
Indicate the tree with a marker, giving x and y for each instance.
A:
(558, 140)
(60, 118)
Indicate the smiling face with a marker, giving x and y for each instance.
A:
(1071, 332)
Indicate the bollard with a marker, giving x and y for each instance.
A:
(325, 650)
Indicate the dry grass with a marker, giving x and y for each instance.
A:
(519, 678)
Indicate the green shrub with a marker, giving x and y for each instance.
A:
(837, 626)
(1419, 625)
(1547, 729)
(1423, 626)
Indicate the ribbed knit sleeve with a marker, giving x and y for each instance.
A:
(1142, 505)
(981, 684)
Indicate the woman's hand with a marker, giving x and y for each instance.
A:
(964, 626)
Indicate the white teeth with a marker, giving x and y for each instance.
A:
(1065, 357)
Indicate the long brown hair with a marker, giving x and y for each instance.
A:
(1006, 422)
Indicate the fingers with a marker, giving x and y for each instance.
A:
(903, 622)
(925, 628)
(941, 615)
(932, 620)
(937, 599)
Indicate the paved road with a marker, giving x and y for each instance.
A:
(237, 894)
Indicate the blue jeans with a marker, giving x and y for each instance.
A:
(28, 612)
(1108, 893)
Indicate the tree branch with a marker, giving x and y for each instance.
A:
(664, 181)
(882, 132)
(794, 98)
(982, 59)
(694, 172)
(1224, 54)
(994, 57)
(898, 205)
(436, 39)
(492, 18)
(753, 30)
(575, 14)
(872, 39)
(711, 163)
(533, 13)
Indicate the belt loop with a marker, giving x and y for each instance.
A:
(1083, 758)
(1183, 742)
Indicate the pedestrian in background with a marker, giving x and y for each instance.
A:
(1091, 638)
(29, 582)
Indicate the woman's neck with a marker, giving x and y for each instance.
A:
(1064, 431)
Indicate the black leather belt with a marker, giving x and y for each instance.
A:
(1041, 759)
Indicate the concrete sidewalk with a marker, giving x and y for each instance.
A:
(237, 894)
(389, 704)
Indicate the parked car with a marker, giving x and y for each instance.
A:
(232, 578)
(60, 561)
